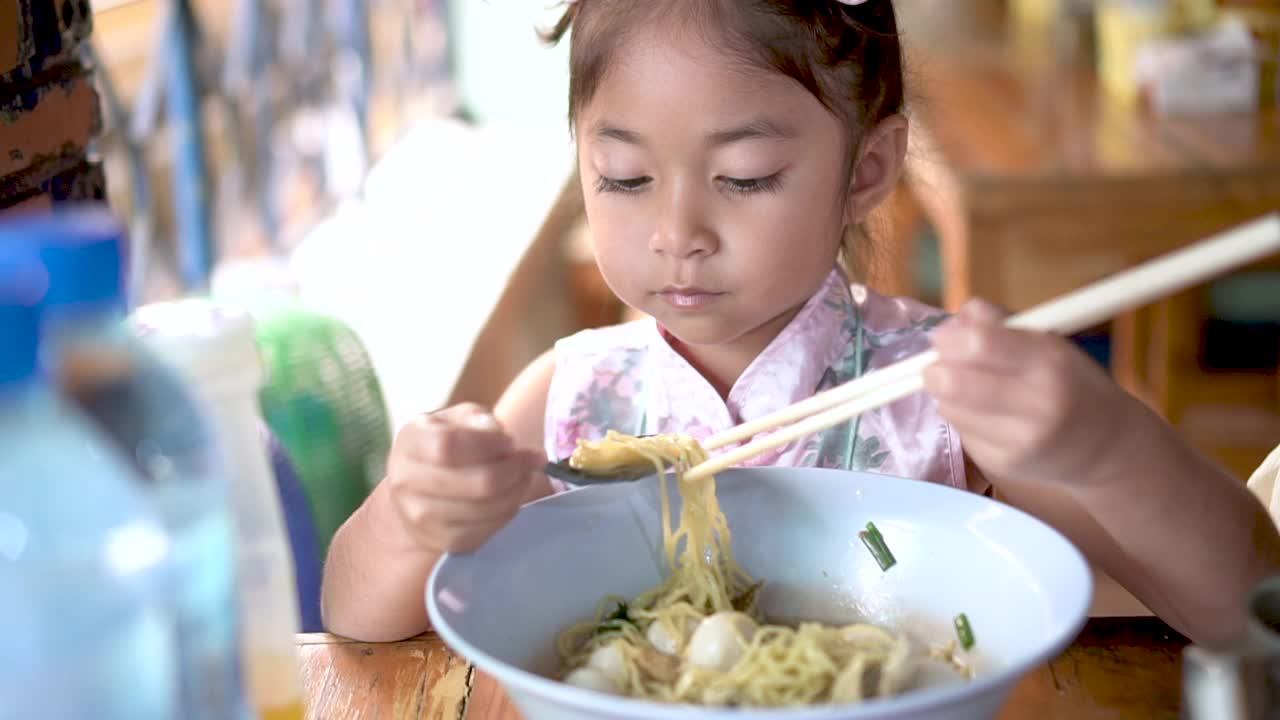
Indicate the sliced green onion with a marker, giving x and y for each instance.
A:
(746, 600)
(620, 612)
(615, 621)
(963, 631)
(610, 626)
(874, 541)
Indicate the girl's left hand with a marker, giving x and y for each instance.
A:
(1029, 406)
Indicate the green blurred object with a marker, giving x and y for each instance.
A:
(1246, 297)
(323, 401)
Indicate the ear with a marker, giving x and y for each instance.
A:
(877, 168)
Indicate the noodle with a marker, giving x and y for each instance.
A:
(698, 637)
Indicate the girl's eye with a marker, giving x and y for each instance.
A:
(748, 186)
(621, 185)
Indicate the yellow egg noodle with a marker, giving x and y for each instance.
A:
(699, 637)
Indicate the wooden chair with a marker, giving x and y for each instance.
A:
(533, 311)
(1158, 354)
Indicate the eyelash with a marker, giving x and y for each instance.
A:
(625, 185)
(769, 184)
(737, 186)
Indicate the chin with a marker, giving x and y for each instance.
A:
(695, 331)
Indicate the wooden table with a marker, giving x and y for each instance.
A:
(1118, 668)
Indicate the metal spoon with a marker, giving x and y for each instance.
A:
(562, 470)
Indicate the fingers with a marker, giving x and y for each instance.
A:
(449, 517)
(1042, 389)
(978, 338)
(481, 482)
(1025, 403)
(457, 510)
(1006, 433)
(454, 525)
(456, 477)
(457, 437)
(987, 345)
(983, 312)
(977, 389)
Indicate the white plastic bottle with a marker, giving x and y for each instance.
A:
(84, 576)
(215, 350)
(155, 423)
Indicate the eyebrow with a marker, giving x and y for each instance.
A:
(609, 132)
(757, 129)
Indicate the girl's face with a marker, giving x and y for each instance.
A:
(715, 192)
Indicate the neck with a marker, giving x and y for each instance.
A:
(722, 364)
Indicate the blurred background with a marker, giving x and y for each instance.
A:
(371, 210)
(388, 185)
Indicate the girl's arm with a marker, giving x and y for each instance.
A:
(1175, 529)
(1058, 438)
(522, 410)
(453, 479)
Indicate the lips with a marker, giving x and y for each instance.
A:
(688, 298)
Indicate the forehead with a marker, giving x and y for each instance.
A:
(677, 79)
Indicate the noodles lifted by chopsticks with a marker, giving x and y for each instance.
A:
(699, 637)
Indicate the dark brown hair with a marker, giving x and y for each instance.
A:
(847, 56)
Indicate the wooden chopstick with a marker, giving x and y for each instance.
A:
(1069, 313)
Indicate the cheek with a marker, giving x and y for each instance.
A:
(617, 245)
(611, 253)
(794, 232)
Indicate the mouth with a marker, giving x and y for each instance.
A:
(688, 298)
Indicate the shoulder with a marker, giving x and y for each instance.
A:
(611, 339)
(888, 314)
(615, 349)
(898, 324)
(522, 407)
(590, 357)
(897, 328)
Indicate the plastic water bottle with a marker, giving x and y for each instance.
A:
(83, 597)
(215, 350)
(150, 414)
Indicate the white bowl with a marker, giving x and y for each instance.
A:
(1024, 588)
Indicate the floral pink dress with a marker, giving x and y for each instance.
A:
(628, 378)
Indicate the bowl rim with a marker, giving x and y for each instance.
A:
(558, 692)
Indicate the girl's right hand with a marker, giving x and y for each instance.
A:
(455, 477)
(1029, 406)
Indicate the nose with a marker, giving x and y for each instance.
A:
(681, 230)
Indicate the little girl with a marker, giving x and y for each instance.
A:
(729, 150)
